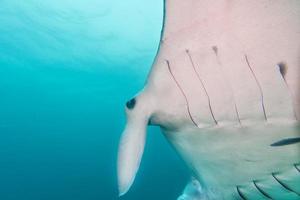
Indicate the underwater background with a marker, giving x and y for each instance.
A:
(66, 70)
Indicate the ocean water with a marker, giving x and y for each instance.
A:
(66, 70)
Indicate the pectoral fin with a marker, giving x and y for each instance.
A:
(131, 149)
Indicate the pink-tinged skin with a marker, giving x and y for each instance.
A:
(217, 91)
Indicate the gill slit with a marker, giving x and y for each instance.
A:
(259, 87)
(280, 66)
(240, 193)
(294, 110)
(261, 191)
(284, 185)
(297, 168)
(182, 92)
(203, 86)
(215, 49)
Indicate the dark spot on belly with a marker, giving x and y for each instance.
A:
(286, 141)
(131, 103)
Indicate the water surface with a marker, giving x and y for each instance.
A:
(66, 70)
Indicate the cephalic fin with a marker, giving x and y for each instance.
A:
(131, 149)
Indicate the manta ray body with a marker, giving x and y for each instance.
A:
(224, 88)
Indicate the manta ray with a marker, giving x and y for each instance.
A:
(224, 90)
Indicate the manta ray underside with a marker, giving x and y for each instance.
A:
(224, 88)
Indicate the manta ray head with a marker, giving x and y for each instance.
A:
(150, 107)
(138, 111)
(160, 103)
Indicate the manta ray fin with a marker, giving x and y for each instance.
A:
(131, 149)
(192, 191)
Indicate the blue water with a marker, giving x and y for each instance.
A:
(66, 69)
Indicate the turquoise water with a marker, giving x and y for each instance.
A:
(66, 70)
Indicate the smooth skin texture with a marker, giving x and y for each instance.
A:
(224, 87)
